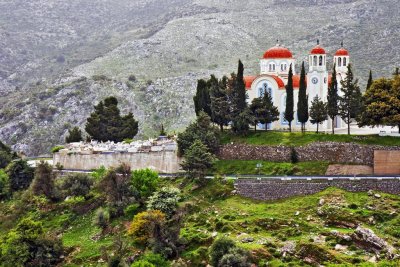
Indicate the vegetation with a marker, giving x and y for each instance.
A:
(202, 101)
(297, 139)
(228, 167)
(333, 99)
(6, 155)
(144, 182)
(77, 185)
(197, 160)
(74, 135)
(165, 200)
(289, 113)
(318, 112)
(106, 123)
(4, 185)
(43, 181)
(220, 104)
(20, 175)
(302, 104)
(263, 110)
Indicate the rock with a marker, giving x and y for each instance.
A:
(309, 218)
(247, 239)
(214, 234)
(289, 247)
(372, 259)
(369, 240)
(370, 193)
(339, 247)
(297, 213)
(233, 192)
(321, 202)
(377, 196)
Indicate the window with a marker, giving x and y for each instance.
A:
(315, 61)
(339, 62)
(320, 60)
(344, 61)
(264, 88)
(283, 67)
(273, 67)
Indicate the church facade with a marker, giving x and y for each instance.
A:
(273, 77)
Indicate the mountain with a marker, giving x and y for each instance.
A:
(58, 58)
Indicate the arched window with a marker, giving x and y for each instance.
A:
(273, 67)
(320, 60)
(339, 62)
(344, 61)
(315, 61)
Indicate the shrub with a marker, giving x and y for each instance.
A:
(132, 78)
(293, 156)
(142, 263)
(77, 184)
(197, 160)
(43, 182)
(237, 257)
(20, 174)
(219, 248)
(165, 200)
(99, 173)
(101, 219)
(56, 149)
(155, 259)
(4, 185)
(131, 210)
(145, 182)
(144, 224)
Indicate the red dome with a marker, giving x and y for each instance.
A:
(248, 80)
(278, 52)
(342, 52)
(317, 50)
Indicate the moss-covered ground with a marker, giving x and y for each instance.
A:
(299, 139)
(213, 211)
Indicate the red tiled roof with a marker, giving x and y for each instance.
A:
(342, 52)
(317, 50)
(278, 52)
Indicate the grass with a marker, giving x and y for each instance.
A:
(274, 138)
(269, 168)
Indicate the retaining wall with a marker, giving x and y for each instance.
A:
(163, 161)
(273, 189)
(319, 151)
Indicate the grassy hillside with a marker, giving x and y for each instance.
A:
(312, 226)
(274, 138)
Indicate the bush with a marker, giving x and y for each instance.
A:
(145, 182)
(101, 219)
(165, 200)
(20, 174)
(293, 156)
(155, 259)
(142, 263)
(56, 149)
(143, 226)
(237, 257)
(43, 182)
(77, 184)
(131, 210)
(26, 245)
(219, 248)
(74, 135)
(4, 185)
(198, 160)
(132, 78)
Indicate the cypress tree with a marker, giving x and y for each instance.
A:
(370, 81)
(302, 104)
(241, 115)
(220, 103)
(202, 101)
(333, 98)
(289, 99)
(240, 89)
(396, 72)
(350, 101)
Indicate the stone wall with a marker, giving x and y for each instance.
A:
(163, 161)
(319, 151)
(273, 189)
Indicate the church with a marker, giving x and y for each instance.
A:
(274, 70)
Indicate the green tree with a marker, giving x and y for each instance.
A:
(202, 130)
(4, 185)
(106, 123)
(144, 182)
(198, 160)
(257, 111)
(272, 112)
(382, 104)
(220, 106)
(302, 103)
(202, 100)
(6, 155)
(166, 200)
(318, 111)
(333, 99)
(74, 135)
(116, 187)
(350, 102)
(43, 182)
(396, 72)
(240, 113)
(240, 125)
(20, 174)
(289, 113)
(370, 80)
(77, 184)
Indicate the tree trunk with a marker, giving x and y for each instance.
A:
(333, 125)
(255, 127)
(290, 126)
(348, 125)
(317, 127)
(221, 127)
(399, 128)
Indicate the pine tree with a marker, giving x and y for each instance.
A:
(220, 103)
(202, 101)
(370, 81)
(240, 89)
(318, 112)
(197, 160)
(74, 135)
(289, 114)
(257, 111)
(333, 99)
(107, 124)
(271, 112)
(350, 102)
(302, 104)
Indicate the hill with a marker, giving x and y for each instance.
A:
(54, 54)
(325, 228)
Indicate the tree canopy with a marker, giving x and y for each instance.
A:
(302, 103)
(107, 124)
(318, 111)
(289, 113)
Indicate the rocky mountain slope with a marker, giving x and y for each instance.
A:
(59, 58)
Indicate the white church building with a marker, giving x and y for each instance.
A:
(274, 70)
